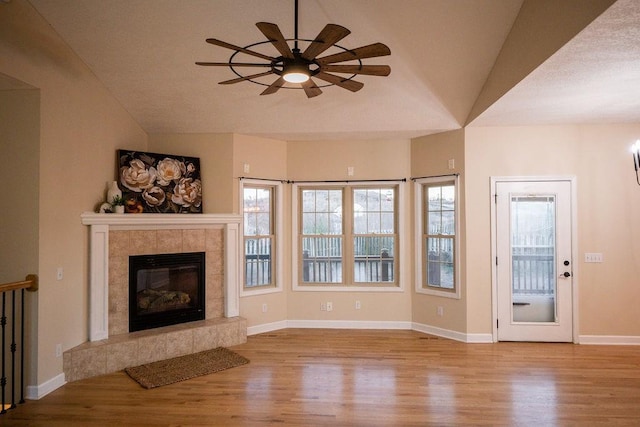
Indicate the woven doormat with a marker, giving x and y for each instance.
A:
(182, 368)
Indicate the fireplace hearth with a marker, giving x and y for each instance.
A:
(166, 289)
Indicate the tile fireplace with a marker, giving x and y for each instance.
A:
(114, 239)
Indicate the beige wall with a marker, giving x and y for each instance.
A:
(266, 159)
(372, 159)
(608, 209)
(19, 172)
(81, 126)
(19, 224)
(430, 156)
(216, 165)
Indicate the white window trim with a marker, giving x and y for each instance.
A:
(278, 232)
(402, 239)
(419, 228)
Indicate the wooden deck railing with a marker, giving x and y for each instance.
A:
(10, 290)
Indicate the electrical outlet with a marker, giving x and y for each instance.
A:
(592, 257)
(58, 350)
(329, 306)
(246, 167)
(440, 311)
(358, 306)
(264, 307)
(60, 273)
(323, 306)
(350, 171)
(452, 164)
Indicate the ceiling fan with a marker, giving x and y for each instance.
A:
(297, 67)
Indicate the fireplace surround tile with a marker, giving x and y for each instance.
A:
(179, 343)
(88, 362)
(152, 348)
(169, 241)
(121, 355)
(193, 240)
(204, 339)
(143, 242)
(214, 240)
(118, 243)
(214, 264)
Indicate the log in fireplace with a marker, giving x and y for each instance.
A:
(166, 289)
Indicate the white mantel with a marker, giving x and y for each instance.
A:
(101, 224)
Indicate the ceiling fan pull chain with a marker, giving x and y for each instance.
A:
(295, 26)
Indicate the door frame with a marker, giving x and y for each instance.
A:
(574, 246)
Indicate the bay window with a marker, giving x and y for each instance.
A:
(347, 235)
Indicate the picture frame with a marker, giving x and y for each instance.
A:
(159, 183)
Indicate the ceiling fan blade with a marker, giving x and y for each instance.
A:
(231, 64)
(370, 70)
(330, 35)
(369, 51)
(241, 79)
(273, 33)
(310, 88)
(239, 49)
(274, 86)
(351, 85)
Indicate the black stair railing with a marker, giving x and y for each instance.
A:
(10, 291)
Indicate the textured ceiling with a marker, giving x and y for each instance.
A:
(442, 53)
(595, 78)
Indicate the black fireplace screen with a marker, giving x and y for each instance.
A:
(166, 289)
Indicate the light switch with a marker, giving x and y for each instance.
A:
(592, 257)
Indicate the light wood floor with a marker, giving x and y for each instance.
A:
(367, 378)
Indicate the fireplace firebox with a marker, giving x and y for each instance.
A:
(166, 289)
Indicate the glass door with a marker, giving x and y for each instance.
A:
(533, 239)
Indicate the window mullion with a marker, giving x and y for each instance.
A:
(347, 223)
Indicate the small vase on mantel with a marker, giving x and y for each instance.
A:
(113, 191)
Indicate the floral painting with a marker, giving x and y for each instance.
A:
(159, 183)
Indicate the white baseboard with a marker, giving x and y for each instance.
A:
(35, 392)
(439, 332)
(609, 339)
(267, 327)
(479, 338)
(358, 324)
(427, 329)
(348, 324)
(326, 324)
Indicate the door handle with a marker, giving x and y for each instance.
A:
(565, 274)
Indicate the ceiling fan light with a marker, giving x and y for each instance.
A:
(296, 72)
(296, 77)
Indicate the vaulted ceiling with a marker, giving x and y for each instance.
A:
(484, 62)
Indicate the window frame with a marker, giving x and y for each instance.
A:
(348, 284)
(278, 244)
(421, 286)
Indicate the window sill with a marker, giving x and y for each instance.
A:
(346, 288)
(259, 291)
(436, 293)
